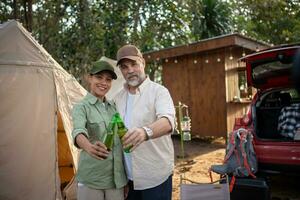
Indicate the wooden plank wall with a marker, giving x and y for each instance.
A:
(201, 86)
(232, 67)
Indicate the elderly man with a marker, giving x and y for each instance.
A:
(148, 112)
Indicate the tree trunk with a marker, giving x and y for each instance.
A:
(15, 9)
(29, 15)
(25, 13)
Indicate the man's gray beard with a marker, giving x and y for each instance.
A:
(136, 82)
(133, 83)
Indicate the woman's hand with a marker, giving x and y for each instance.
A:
(97, 150)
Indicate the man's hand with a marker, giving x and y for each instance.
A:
(97, 150)
(134, 137)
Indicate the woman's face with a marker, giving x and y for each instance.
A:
(100, 84)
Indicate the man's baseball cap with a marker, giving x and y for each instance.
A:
(130, 52)
(102, 65)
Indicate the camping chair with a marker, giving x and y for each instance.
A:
(197, 191)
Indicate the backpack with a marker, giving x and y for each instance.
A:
(240, 159)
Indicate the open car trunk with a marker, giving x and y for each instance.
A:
(275, 111)
(270, 72)
(267, 110)
(275, 152)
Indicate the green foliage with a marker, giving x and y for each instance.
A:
(158, 24)
(274, 21)
(209, 18)
(78, 32)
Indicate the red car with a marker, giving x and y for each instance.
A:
(270, 72)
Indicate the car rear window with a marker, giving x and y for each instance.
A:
(276, 66)
(271, 69)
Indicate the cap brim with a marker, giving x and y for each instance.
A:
(113, 74)
(135, 58)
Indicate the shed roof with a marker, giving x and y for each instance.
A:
(218, 42)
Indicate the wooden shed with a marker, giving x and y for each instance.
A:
(208, 77)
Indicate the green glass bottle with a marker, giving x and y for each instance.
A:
(120, 128)
(108, 138)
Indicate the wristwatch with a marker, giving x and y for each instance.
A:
(148, 131)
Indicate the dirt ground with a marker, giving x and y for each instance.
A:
(201, 154)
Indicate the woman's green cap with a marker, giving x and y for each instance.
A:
(102, 65)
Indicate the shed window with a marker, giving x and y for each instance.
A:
(244, 90)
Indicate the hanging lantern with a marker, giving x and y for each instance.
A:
(187, 136)
(183, 122)
(186, 126)
(183, 125)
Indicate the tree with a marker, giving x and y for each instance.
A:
(274, 21)
(115, 20)
(78, 32)
(15, 9)
(157, 24)
(209, 18)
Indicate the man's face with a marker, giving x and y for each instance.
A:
(100, 83)
(133, 71)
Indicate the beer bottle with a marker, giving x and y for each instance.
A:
(120, 129)
(108, 138)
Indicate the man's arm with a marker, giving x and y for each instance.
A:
(160, 127)
(164, 124)
(136, 136)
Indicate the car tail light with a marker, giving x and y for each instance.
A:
(246, 120)
(243, 122)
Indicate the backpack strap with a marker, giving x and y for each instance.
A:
(237, 157)
(237, 132)
(233, 144)
(242, 147)
(210, 175)
(231, 185)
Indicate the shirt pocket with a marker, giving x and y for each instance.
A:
(96, 129)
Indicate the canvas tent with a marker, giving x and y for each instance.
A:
(37, 96)
(37, 156)
(117, 85)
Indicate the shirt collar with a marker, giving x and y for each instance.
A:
(141, 87)
(93, 100)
